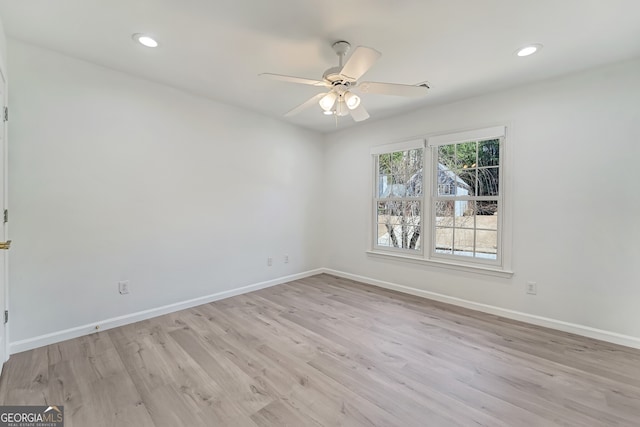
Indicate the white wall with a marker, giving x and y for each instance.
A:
(3, 46)
(117, 178)
(576, 201)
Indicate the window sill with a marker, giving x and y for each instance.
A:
(443, 264)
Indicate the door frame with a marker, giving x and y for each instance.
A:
(4, 351)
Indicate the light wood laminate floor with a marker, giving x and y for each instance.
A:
(325, 351)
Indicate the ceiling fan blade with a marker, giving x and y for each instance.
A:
(292, 79)
(359, 114)
(310, 102)
(359, 62)
(392, 89)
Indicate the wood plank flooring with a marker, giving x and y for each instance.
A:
(326, 351)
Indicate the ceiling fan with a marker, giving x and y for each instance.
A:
(342, 82)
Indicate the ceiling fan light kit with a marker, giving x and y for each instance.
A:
(342, 82)
(341, 109)
(351, 99)
(327, 102)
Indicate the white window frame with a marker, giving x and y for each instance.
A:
(500, 267)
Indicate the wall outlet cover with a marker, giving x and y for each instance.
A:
(123, 287)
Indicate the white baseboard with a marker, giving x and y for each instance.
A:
(54, 337)
(559, 325)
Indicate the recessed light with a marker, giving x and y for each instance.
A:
(528, 50)
(145, 40)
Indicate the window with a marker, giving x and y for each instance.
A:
(460, 217)
(398, 200)
(466, 203)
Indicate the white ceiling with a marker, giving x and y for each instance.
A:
(218, 48)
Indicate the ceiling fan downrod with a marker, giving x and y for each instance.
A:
(341, 48)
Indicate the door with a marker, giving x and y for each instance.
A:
(4, 354)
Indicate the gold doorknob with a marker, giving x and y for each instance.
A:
(5, 245)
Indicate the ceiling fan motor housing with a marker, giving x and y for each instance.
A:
(333, 76)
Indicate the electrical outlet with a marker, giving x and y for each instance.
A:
(123, 287)
(532, 288)
(269, 261)
(286, 259)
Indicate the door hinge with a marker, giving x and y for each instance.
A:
(6, 316)
(6, 216)
(5, 114)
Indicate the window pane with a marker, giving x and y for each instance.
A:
(400, 174)
(464, 210)
(413, 161)
(466, 182)
(463, 219)
(488, 181)
(450, 183)
(489, 153)
(385, 222)
(414, 184)
(410, 227)
(447, 156)
(383, 185)
(446, 173)
(399, 224)
(463, 241)
(444, 240)
(487, 215)
(444, 213)
(445, 188)
(383, 210)
(486, 244)
(383, 235)
(384, 164)
(466, 156)
(456, 176)
(398, 188)
(395, 212)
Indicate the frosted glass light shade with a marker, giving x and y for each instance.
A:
(352, 100)
(327, 101)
